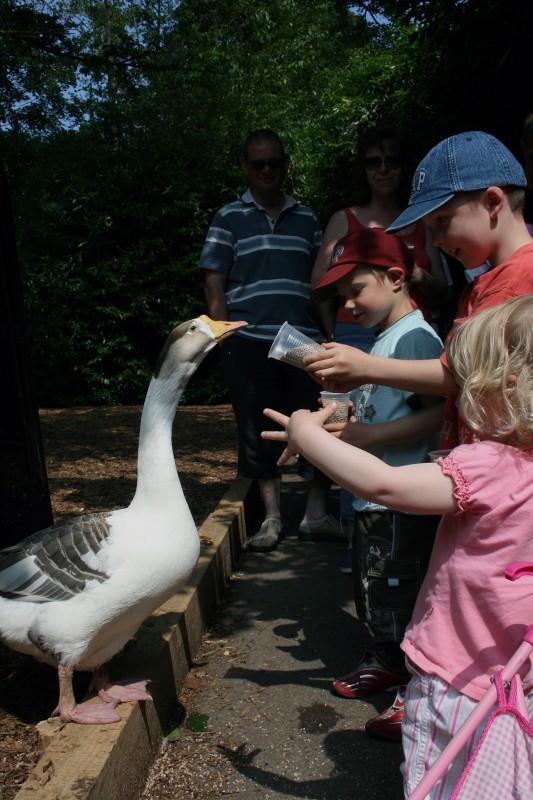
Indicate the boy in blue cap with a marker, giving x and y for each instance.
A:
(470, 190)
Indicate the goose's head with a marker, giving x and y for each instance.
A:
(190, 342)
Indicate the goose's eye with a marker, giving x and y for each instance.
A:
(193, 328)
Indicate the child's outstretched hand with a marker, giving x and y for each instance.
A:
(295, 427)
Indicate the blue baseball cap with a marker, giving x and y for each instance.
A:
(461, 163)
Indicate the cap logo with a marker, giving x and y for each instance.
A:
(337, 253)
(418, 180)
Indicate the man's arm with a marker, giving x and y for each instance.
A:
(214, 287)
(340, 367)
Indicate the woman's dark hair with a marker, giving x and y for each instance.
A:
(394, 139)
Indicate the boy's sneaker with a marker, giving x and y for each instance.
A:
(371, 675)
(327, 529)
(345, 564)
(388, 724)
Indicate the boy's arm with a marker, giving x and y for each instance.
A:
(415, 489)
(344, 368)
(418, 425)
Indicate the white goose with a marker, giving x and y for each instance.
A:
(73, 594)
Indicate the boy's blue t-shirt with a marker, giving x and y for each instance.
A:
(409, 338)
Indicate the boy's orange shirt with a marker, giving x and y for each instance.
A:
(512, 278)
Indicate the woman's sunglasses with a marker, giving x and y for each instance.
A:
(377, 162)
(258, 164)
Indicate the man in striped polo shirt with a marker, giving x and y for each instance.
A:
(257, 260)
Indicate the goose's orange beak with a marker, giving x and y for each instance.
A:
(221, 328)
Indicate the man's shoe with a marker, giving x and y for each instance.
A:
(371, 675)
(388, 724)
(327, 529)
(267, 537)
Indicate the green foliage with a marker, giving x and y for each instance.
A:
(121, 125)
(37, 65)
(173, 736)
(471, 57)
(197, 722)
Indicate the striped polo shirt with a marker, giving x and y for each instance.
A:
(268, 265)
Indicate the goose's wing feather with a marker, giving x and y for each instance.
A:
(55, 563)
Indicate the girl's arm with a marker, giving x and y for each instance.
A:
(415, 489)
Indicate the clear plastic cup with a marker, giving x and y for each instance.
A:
(292, 346)
(434, 454)
(342, 399)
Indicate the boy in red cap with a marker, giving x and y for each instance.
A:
(369, 273)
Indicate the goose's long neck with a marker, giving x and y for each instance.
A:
(157, 479)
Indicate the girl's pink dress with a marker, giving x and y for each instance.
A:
(468, 619)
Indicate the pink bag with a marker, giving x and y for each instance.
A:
(501, 766)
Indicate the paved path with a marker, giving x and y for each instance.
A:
(275, 729)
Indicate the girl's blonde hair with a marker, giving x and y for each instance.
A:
(491, 356)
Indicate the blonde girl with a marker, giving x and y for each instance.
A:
(468, 619)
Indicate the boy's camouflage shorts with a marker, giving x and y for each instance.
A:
(391, 554)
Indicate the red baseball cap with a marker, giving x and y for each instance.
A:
(371, 246)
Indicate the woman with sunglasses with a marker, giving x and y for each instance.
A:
(383, 173)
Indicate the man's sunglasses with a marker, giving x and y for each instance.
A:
(377, 162)
(258, 164)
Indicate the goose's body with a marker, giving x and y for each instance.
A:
(74, 594)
